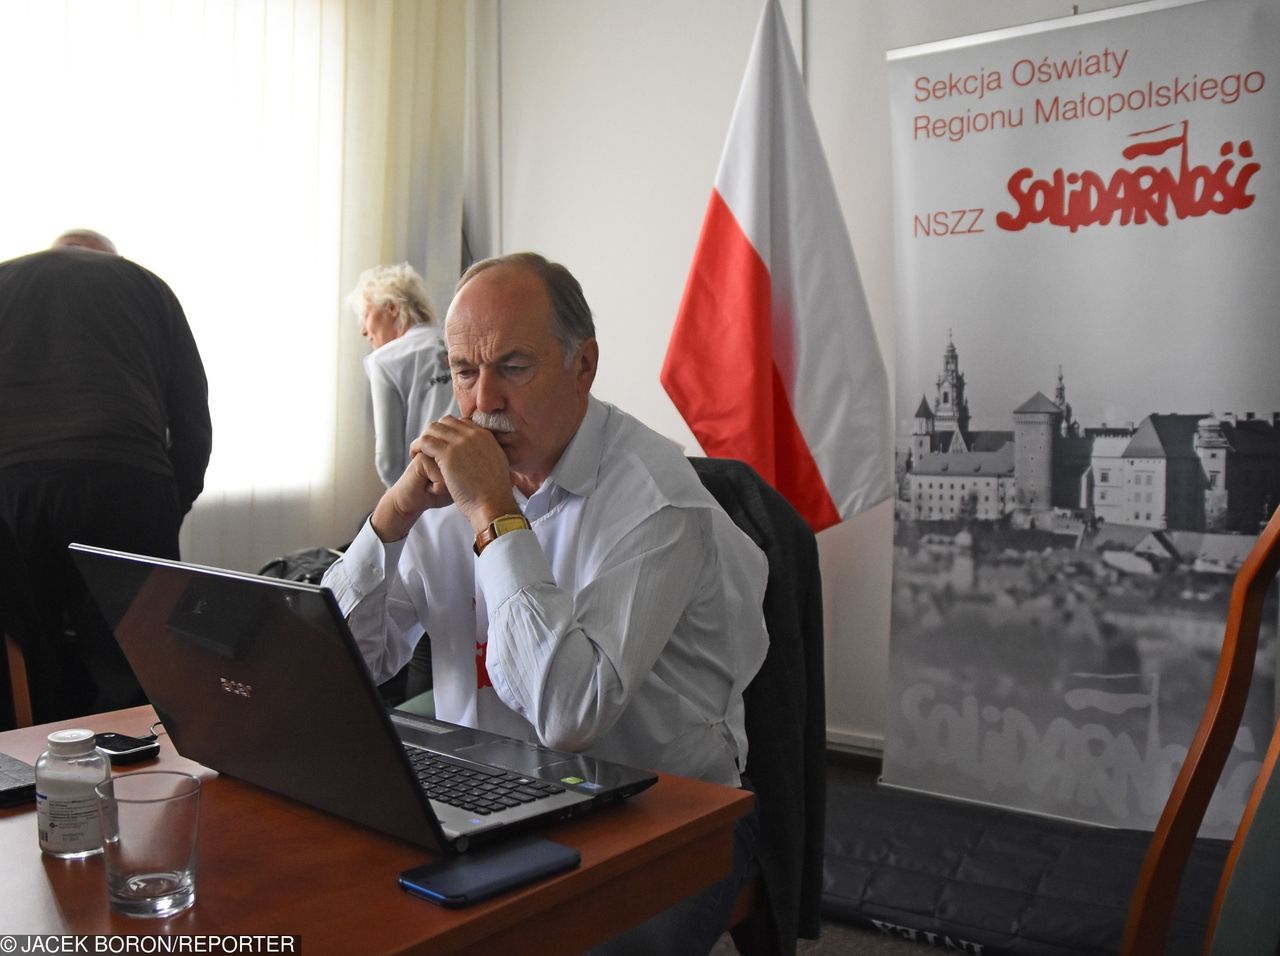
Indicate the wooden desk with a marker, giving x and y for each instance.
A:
(269, 865)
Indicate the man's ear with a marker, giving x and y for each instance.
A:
(585, 363)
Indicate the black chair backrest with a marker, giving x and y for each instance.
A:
(786, 702)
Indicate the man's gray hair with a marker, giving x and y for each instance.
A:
(401, 284)
(571, 316)
(85, 239)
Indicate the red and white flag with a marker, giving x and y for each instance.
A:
(773, 358)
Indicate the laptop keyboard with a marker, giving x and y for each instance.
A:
(481, 790)
(17, 780)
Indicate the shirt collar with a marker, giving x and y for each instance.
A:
(578, 469)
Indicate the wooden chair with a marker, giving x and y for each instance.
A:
(1152, 903)
(1246, 918)
(16, 622)
(19, 691)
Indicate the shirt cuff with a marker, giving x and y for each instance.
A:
(364, 567)
(509, 563)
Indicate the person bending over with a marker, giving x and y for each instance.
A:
(105, 436)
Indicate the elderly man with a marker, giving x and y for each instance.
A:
(578, 583)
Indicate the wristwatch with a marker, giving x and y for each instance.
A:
(499, 526)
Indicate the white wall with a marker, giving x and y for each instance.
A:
(613, 116)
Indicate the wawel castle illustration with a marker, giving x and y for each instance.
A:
(1191, 472)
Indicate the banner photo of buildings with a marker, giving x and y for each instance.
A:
(1087, 415)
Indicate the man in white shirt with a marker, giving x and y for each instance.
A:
(579, 584)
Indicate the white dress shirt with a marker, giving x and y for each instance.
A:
(411, 387)
(625, 624)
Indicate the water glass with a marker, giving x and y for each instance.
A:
(150, 822)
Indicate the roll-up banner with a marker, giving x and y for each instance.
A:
(1087, 403)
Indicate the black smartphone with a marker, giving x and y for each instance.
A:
(123, 749)
(480, 874)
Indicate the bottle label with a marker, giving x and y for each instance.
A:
(68, 824)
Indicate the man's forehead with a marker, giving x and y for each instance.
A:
(509, 310)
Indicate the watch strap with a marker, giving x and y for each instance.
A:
(498, 527)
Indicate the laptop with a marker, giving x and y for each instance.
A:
(260, 679)
(17, 781)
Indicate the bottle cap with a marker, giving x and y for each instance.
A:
(72, 743)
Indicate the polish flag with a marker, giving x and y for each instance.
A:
(773, 358)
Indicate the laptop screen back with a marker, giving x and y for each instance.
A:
(258, 678)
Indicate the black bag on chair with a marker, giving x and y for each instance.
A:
(306, 564)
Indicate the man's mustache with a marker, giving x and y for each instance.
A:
(493, 421)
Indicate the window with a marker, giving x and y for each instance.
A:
(256, 155)
(1213, 480)
(221, 174)
(1105, 476)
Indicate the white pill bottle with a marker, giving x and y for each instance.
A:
(66, 805)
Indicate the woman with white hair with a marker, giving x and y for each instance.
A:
(408, 368)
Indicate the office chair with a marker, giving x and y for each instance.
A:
(1151, 906)
(785, 718)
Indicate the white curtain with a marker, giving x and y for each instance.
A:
(257, 155)
(482, 133)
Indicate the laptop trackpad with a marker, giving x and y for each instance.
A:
(575, 769)
(510, 754)
(585, 773)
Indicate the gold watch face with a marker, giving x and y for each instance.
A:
(508, 523)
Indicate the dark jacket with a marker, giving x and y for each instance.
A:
(785, 702)
(97, 363)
